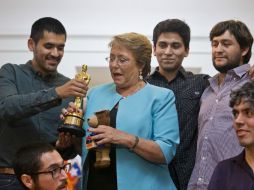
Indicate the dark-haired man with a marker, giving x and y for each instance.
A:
(231, 51)
(32, 95)
(171, 39)
(40, 166)
(237, 172)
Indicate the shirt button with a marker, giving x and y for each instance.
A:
(206, 137)
(203, 158)
(200, 179)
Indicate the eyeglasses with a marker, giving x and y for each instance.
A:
(57, 171)
(119, 60)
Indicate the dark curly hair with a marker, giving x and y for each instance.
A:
(245, 93)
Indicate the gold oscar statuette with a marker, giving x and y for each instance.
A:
(73, 122)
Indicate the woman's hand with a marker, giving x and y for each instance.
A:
(66, 140)
(70, 109)
(147, 149)
(106, 134)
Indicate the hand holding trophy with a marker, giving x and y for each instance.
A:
(73, 121)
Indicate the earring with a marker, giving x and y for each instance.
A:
(140, 75)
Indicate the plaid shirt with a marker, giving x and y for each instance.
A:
(217, 140)
(188, 89)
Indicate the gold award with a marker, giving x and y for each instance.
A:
(73, 121)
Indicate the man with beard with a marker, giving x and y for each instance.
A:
(171, 39)
(231, 51)
(237, 172)
(39, 166)
(32, 95)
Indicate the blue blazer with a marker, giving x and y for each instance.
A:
(149, 113)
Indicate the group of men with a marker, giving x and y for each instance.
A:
(32, 95)
(205, 118)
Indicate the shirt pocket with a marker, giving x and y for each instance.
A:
(189, 102)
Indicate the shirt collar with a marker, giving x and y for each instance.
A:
(39, 74)
(241, 161)
(238, 71)
(240, 158)
(241, 70)
(181, 73)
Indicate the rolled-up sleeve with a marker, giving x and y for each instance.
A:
(165, 125)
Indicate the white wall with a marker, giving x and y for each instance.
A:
(91, 23)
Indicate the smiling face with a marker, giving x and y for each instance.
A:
(123, 68)
(170, 52)
(48, 52)
(226, 52)
(244, 123)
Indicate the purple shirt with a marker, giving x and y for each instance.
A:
(217, 140)
(232, 174)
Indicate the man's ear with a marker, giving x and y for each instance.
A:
(27, 181)
(31, 44)
(186, 52)
(154, 50)
(245, 50)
